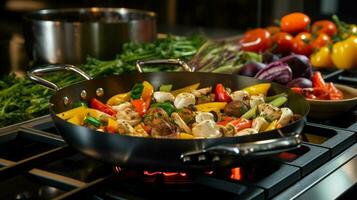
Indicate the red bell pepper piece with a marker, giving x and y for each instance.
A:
(225, 121)
(111, 129)
(141, 106)
(333, 92)
(96, 104)
(241, 123)
(318, 81)
(221, 94)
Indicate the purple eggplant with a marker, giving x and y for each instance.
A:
(277, 72)
(300, 65)
(251, 68)
(300, 82)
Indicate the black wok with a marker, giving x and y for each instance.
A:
(159, 153)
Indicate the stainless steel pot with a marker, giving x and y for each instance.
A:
(70, 35)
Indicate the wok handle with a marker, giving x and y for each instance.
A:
(35, 74)
(179, 62)
(257, 148)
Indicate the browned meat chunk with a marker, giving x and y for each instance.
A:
(236, 108)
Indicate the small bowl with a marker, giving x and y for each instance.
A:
(325, 109)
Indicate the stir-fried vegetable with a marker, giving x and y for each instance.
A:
(145, 113)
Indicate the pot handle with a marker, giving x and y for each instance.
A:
(179, 62)
(257, 148)
(35, 74)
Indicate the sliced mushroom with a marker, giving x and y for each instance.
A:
(125, 111)
(247, 131)
(285, 117)
(240, 95)
(259, 123)
(269, 112)
(256, 100)
(227, 131)
(206, 129)
(178, 120)
(201, 116)
(184, 100)
(202, 92)
(163, 97)
(124, 127)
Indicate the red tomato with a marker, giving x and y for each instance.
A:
(272, 29)
(321, 40)
(282, 42)
(294, 22)
(256, 40)
(324, 26)
(302, 44)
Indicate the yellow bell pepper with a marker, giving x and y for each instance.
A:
(118, 99)
(212, 106)
(344, 53)
(98, 114)
(322, 58)
(257, 89)
(272, 125)
(189, 88)
(77, 120)
(113, 124)
(185, 136)
(147, 91)
(73, 112)
(81, 112)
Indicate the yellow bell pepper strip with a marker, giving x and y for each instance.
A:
(257, 89)
(98, 114)
(118, 99)
(76, 120)
(188, 89)
(148, 90)
(185, 136)
(344, 53)
(272, 125)
(81, 111)
(112, 126)
(139, 129)
(212, 106)
(322, 58)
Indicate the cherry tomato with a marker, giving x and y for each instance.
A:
(272, 29)
(302, 44)
(294, 22)
(282, 42)
(324, 26)
(321, 40)
(256, 40)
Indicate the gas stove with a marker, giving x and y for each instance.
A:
(35, 163)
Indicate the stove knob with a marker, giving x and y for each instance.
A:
(186, 159)
(216, 159)
(201, 158)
